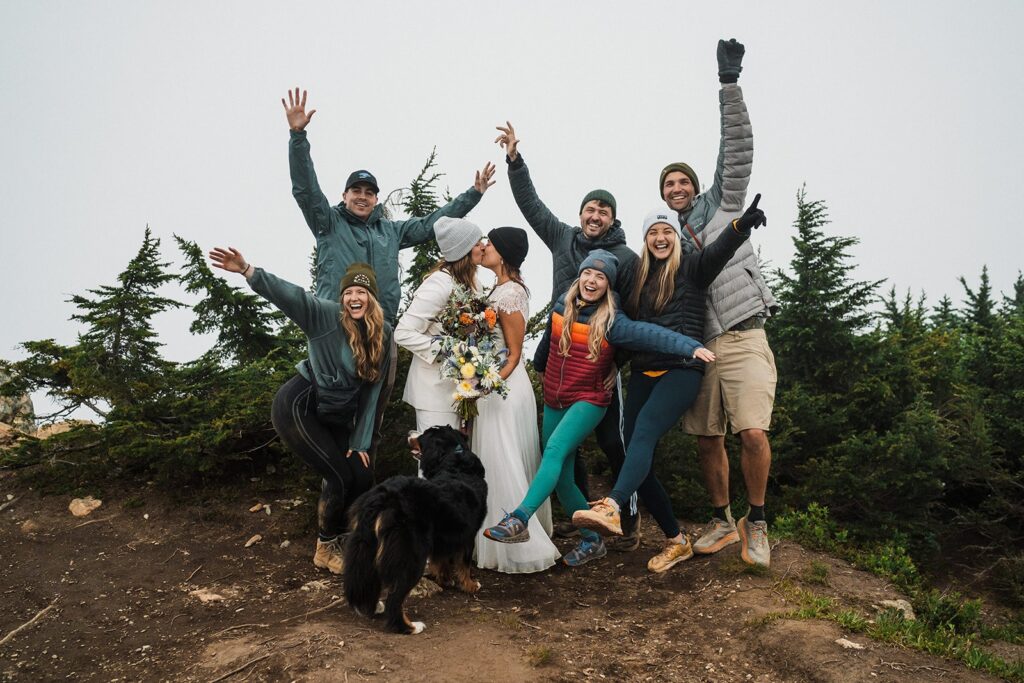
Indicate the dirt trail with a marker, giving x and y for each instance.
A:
(127, 609)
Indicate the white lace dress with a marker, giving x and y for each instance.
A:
(505, 437)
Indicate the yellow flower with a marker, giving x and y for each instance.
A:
(468, 370)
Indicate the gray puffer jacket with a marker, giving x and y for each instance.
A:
(740, 291)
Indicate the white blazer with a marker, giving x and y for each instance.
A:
(424, 387)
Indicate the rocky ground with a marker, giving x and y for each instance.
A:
(145, 589)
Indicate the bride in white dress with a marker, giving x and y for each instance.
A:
(505, 433)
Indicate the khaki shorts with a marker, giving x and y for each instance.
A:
(738, 388)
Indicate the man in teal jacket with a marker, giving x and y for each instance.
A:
(356, 230)
(738, 392)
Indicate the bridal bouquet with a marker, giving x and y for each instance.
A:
(469, 354)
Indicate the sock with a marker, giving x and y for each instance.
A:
(521, 516)
(588, 535)
(722, 513)
(756, 513)
(614, 503)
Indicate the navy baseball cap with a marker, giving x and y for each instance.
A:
(362, 176)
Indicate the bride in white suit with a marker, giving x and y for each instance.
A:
(462, 249)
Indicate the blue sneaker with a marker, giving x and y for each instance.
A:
(586, 551)
(510, 529)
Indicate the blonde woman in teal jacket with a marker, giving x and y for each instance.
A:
(325, 414)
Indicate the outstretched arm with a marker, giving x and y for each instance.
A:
(640, 336)
(712, 259)
(736, 148)
(536, 213)
(416, 231)
(314, 316)
(305, 188)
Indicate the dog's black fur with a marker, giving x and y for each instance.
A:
(404, 521)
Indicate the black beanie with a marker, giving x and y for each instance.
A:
(511, 243)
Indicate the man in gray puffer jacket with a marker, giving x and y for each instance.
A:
(739, 389)
(598, 229)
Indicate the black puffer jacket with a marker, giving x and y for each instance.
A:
(684, 312)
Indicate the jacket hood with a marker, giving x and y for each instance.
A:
(614, 237)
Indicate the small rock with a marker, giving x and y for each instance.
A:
(316, 586)
(901, 606)
(256, 508)
(253, 541)
(849, 644)
(205, 595)
(80, 507)
(424, 589)
(30, 527)
(285, 543)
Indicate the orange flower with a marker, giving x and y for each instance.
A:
(465, 319)
(492, 318)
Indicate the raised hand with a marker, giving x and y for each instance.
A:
(363, 455)
(753, 217)
(730, 58)
(483, 178)
(508, 140)
(704, 355)
(229, 259)
(295, 110)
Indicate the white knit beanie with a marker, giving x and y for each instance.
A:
(662, 215)
(456, 237)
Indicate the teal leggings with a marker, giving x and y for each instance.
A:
(562, 431)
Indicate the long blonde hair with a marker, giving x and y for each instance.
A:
(666, 279)
(367, 339)
(462, 271)
(600, 321)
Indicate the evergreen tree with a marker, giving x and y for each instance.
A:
(980, 310)
(244, 322)
(1013, 306)
(944, 316)
(120, 340)
(822, 308)
(422, 200)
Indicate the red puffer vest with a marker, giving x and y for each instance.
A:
(574, 378)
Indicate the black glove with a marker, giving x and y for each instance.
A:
(753, 217)
(730, 56)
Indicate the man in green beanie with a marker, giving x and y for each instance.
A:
(738, 391)
(598, 229)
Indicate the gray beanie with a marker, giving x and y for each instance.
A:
(456, 237)
(604, 261)
(662, 215)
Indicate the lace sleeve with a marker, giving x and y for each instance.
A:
(511, 298)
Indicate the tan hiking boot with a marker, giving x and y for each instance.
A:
(672, 554)
(328, 556)
(715, 535)
(602, 517)
(754, 547)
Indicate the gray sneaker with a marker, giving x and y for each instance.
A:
(754, 548)
(715, 535)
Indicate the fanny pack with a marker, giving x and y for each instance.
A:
(336, 406)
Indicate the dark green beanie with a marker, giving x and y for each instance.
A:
(601, 195)
(685, 170)
(360, 275)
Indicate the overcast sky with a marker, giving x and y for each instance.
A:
(903, 117)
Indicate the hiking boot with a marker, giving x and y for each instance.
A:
(630, 538)
(584, 552)
(602, 517)
(715, 535)
(672, 554)
(565, 530)
(754, 548)
(510, 529)
(329, 556)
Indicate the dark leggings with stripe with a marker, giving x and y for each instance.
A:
(322, 446)
(653, 406)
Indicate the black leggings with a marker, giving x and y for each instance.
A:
(323, 447)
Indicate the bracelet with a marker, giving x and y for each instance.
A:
(246, 269)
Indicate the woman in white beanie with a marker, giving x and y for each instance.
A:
(462, 249)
